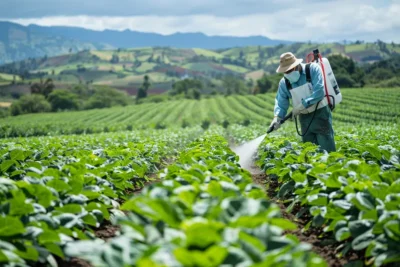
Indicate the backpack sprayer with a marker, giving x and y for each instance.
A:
(332, 91)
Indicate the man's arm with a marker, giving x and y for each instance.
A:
(281, 100)
(318, 86)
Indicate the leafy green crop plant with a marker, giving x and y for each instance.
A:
(54, 190)
(205, 212)
(353, 193)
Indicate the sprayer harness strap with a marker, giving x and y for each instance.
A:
(308, 77)
(289, 87)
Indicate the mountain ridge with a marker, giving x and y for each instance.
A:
(18, 42)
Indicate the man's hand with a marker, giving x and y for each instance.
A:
(276, 123)
(298, 109)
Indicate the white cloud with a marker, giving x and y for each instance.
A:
(322, 21)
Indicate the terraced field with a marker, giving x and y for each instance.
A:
(360, 106)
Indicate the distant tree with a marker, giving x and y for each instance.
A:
(263, 85)
(250, 84)
(114, 59)
(43, 88)
(53, 72)
(345, 80)
(34, 103)
(142, 92)
(105, 97)
(241, 54)
(187, 88)
(15, 95)
(234, 85)
(63, 100)
(350, 74)
(70, 50)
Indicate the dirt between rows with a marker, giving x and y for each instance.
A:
(322, 245)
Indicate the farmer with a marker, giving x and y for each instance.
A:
(304, 84)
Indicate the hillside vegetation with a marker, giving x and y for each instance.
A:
(125, 68)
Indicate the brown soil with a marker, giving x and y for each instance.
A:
(107, 231)
(74, 262)
(325, 246)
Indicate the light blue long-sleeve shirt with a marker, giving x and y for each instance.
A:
(283, 95)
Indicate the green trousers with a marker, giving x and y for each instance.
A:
(321, 130)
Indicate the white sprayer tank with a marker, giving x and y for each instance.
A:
(332, 86)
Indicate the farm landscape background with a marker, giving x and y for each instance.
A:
(122, 156)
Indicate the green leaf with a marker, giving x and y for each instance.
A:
(283, 223)
(10, 226)
(369, 215)
(374, 152)
(48, 236)
(30, 253)
(363, 241)
(17, 154)
(362, 201)
(58, 185)
(299, 177)
(216, 255)
(156, 209)
(342, 234)
(91, 194)
(98, 206)
(55, 249)
(215, 189)
(90, 219)
(43, 194)
(286, 188)
(360, 226)
(70, 208)
(343, 204)
(201, 235)
(317, 200)
(184, 257)
(253, 246)
(3, 257)
(68, 220)
(18, 206)
(392, 229)
(5, 165)
(332, 182)
(34, 164)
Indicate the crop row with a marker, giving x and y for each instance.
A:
(352, 194)
(205, 212)
(360, 106)
(57, 189)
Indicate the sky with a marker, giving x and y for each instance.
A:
(294, 20)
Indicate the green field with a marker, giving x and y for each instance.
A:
(242, 61)
(357, 107)
(156, 185)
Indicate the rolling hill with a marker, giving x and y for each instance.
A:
(125, 68)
